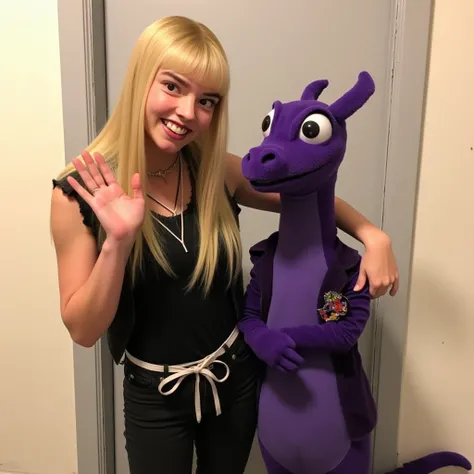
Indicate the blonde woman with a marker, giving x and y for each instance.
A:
(145, 226)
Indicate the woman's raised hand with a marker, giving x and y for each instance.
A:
(120, 215)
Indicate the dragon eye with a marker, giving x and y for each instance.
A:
(316, 129)
(267, 123)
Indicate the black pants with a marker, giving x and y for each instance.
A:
(161, 431)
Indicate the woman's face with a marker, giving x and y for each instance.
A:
(177, 110)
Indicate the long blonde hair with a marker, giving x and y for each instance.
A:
(189, 48)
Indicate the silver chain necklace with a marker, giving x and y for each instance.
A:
(180, 187)
(162, 173)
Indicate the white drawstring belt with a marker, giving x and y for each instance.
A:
(198, 368)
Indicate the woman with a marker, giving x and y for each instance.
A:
(148, 249)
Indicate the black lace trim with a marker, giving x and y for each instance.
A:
(86, 211)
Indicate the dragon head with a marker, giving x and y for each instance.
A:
(305, 140)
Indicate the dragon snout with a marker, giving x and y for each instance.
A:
(267, 157)
(263, 164)
(259, 156)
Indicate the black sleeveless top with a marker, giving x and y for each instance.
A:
(170, 324)
(174, 325)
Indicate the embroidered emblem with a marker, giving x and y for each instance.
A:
(335, 306)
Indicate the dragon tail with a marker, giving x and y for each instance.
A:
(432, 462)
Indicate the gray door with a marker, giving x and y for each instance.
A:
(275, 48)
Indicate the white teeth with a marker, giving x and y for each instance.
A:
(173, 127)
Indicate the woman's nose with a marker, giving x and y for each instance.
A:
(186, 108)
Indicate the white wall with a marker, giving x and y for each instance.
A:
(37, 414)
(438, 388)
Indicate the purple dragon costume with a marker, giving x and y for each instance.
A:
(302, 317)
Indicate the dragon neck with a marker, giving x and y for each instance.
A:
(307, 224)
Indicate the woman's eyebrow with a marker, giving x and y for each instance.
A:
(185, 83)
(177, 78)
(215, 95)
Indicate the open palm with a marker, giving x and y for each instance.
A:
(120, 215)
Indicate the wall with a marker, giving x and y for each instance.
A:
(37, 424)
(37, 413)
(438, 387)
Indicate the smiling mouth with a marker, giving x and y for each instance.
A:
(175, 128)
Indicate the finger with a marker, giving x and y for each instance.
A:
(360, 283)
(280, 368)
(285, 338)
(375, 291)
(104, 169)
(384, 286)
(379, 290)
(84, 174)
(80, 190)
(293, 356)
(287, 365)
(395, 287)
(137, 187)
(93, 170)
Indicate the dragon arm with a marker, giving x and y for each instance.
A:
(336, 336)
(273, 347)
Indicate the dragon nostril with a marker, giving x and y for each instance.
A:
(268, 157)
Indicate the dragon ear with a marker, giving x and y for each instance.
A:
(355, 98)
(314, 89)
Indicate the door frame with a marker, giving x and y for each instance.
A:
(84, 91)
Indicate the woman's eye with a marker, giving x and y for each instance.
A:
(171, 87)
(208, 103)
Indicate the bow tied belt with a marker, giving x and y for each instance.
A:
(198, 368)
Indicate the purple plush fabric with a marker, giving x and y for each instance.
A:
(315, 402)
(273, 347)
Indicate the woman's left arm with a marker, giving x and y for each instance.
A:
(378, 264)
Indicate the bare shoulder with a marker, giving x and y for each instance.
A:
(234, 174)
(75, 244)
